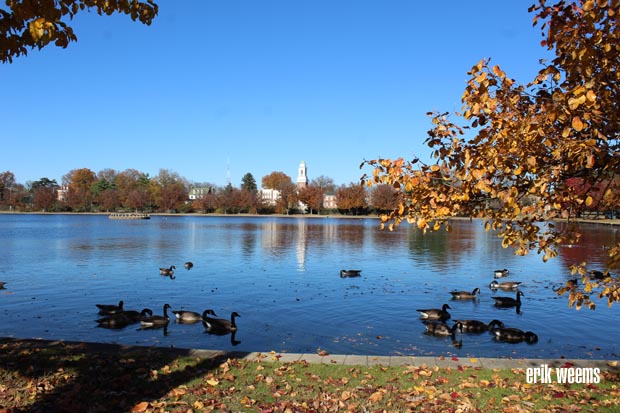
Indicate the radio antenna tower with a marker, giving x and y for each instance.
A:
(228, 172)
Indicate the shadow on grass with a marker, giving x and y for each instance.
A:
(57, 376)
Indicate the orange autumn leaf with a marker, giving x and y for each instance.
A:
(140, 407)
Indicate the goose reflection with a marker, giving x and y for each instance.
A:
(221, 333)
(163, 328)
(113, 322)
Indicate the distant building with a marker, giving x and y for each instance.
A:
(199, 192)
(329, 201)
(269, 196)
(61, 192)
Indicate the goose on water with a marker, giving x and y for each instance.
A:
(435, 313)
(514, 335)
(477, 326)
(504, 285)
(508, 301)
(501, 273)
(156, 320)
(107, 309)
(135, 316)
(190, 317)
(350, 273)
(123, 319)
(437, 328)
(465, 295)
(167, 271)
(220, 325)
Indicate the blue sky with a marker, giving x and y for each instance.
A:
(257, 85)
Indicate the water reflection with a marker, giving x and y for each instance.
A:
(300, 246)
(283, 276)
(595, 240)
(248, 240)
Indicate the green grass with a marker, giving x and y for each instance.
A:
(44, 377)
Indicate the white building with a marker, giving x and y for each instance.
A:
(198, 193)
(269, 196)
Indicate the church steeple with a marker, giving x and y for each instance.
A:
(302, 175)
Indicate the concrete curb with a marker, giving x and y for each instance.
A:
(342, 359)
(442, 362)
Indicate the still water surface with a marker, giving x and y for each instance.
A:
(282, 276)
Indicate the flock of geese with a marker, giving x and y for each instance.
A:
(115, 316)
(435, 319)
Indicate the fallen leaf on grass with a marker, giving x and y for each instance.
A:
(376, 397)
(140, 407)
(179, 391)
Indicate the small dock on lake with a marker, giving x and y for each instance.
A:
(129, 215)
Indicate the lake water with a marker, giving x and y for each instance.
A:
(282, 276)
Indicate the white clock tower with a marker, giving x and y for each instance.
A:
(302, 175)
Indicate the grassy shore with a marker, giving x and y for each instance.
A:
(42, 376)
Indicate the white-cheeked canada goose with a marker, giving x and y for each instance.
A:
(107, 309)
(167, 271)
(514, 335)
(465, 295)
(504, 285)
(190, 317)
(437, 328)
(135, 316)
(157, 320)
(220, 325)
(477, 326)
(435, 313)
(508, 301)
(123, 319)
(350, 273)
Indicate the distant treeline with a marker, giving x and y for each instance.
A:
(83, 190)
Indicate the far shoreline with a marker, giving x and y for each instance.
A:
(197, 214)
(604, 221)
